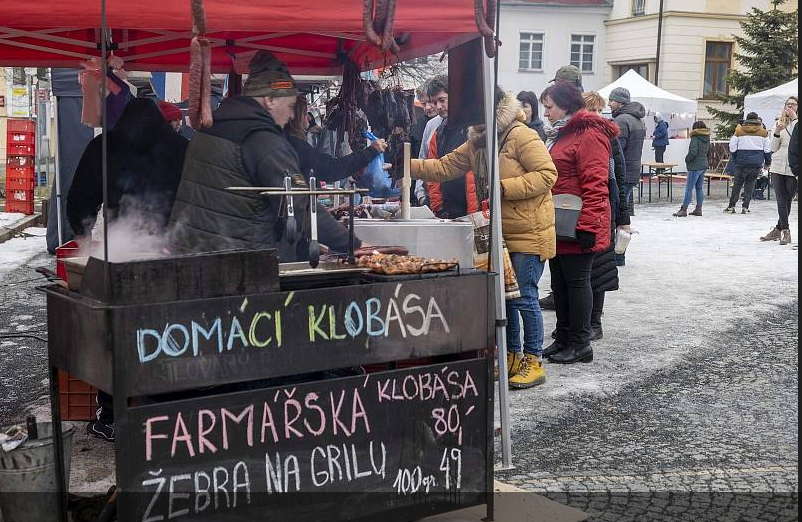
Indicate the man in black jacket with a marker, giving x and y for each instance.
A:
(145, 159)
(247, 147)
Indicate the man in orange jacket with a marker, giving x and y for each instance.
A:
(457, 198)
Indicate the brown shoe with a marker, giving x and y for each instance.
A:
(697, 211)
(786, 237)
(682, 212)
(774, 235)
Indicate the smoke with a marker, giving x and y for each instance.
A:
(136, 231)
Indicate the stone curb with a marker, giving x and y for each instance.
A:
(30, 221)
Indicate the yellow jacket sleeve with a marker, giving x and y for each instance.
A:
(451, 166)
(541, 174)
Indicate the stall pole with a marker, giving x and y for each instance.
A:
(497, 260)
(57, 172)
(406, 185)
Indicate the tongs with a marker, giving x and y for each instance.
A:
(292, 226)
(314, 245)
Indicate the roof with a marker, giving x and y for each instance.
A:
(154, 35)
(562, 3)
(651, 96)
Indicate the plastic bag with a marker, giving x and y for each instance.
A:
(481, 253)
(376, 179)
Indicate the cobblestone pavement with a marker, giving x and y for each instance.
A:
(714, 438)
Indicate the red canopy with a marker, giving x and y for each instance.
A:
(154, 35)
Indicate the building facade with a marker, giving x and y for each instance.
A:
(698, 45)
(540, 36)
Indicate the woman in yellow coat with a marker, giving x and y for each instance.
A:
(527, 175)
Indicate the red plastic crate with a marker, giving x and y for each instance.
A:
(21, 126)
(19, 161)
(77, 398)
(14, 184)
(19, 149)
(20, 172)
(23, 207)
(19, 195)
(23, 138)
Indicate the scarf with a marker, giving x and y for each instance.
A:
(553, 131)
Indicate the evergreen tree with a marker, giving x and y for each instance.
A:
(769, 56)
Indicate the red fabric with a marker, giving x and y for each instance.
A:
(436, 192)
(582, 157)
(170, 112)
(316, 28)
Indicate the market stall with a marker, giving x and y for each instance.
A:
(275, 428)
(770, 104)
(679, 112)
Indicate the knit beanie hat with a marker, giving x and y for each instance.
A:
(621, 95)
(269, 77)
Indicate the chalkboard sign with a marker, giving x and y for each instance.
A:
(174, 346)
(393, 446)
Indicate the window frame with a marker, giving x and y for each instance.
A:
(638, 11)
(540, 33)
(595, 57)
(706, 61)
(632, 65)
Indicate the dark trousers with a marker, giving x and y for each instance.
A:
(105, 410)
(745, 178)
(573, 298)
(598, 309)
(785, 188)
(660, 154)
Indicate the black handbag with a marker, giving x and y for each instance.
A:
(567, 209)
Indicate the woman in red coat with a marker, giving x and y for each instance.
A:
(579, 142)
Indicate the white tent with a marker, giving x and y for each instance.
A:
(678, 111)
(769, 104)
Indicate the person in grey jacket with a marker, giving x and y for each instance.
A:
(629, 117)
(783, 176)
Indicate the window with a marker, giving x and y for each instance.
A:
(531, 52)
(640, 68)
(718, 62)
(638, 7)
(582, 51)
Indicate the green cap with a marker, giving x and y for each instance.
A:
(569, 73)
(269, 77)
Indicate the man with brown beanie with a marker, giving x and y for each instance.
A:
(246, 147)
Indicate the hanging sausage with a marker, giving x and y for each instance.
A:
(378, 20)
(200, 70)
(486, 23)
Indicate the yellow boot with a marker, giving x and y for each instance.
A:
(530, 374)
(514, 363)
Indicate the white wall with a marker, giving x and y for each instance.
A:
(558, 24)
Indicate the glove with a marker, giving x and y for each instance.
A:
(587, 240)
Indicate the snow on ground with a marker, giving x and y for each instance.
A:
(9, 219)
(685, 280)
(17, 251)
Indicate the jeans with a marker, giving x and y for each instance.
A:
(785, 188)
(630, 189)
(745, 178)
(528, 270)
(573, 298)
(696, 180)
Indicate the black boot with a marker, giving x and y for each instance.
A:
(547, 303)
(596, 332)
(573, 355)
(553, 349)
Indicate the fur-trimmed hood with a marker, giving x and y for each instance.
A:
(751, 128)
(508, 112)
(583, 121)
(701, 132)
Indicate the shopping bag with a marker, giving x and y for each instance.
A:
(481, 252)
(376, 179)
